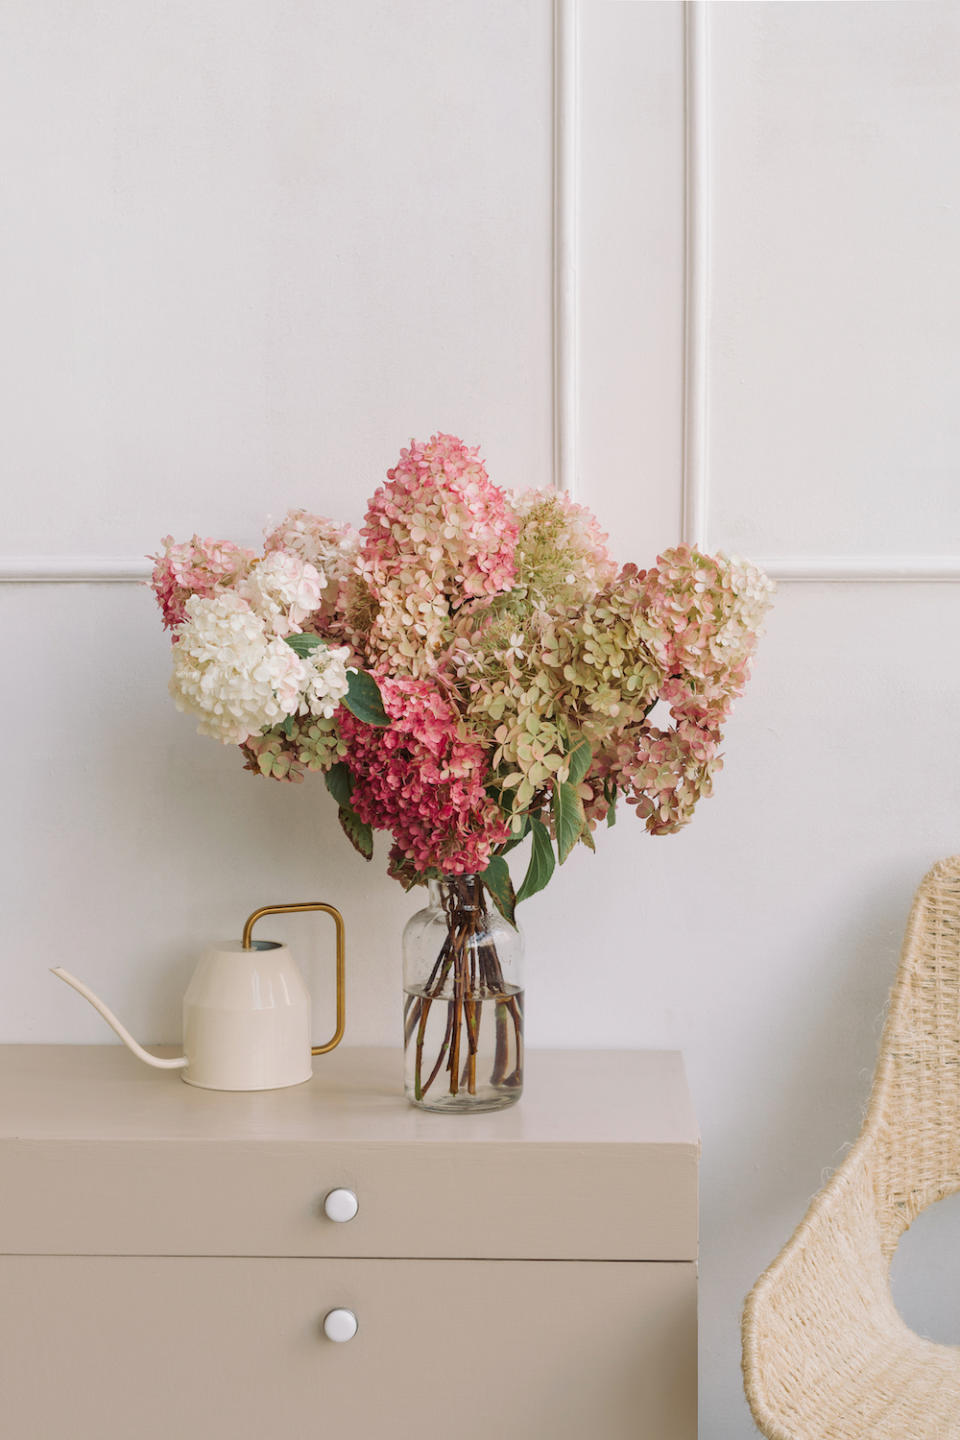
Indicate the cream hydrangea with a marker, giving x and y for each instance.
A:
(325, 681)
(230, 672)
(284, 590)
(331, 547)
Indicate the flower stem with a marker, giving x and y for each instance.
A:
(466, 973)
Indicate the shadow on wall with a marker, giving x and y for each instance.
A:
(807, 1115)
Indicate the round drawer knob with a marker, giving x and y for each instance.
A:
(340, 1325)
(341, 1205)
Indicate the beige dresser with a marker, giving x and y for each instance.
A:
(167, 1262)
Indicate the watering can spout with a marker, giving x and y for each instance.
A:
(178, 1064)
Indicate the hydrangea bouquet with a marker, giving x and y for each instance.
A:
(470, 670)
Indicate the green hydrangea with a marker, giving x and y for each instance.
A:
(301, 743)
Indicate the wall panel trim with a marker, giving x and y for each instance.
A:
(696, 293)
(79, 569)
(696, 321)
(566, 213)
(695, 488)
(864, 568)
(72, 569)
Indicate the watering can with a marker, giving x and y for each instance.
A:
(246, 1013)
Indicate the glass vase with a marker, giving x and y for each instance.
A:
(463, 1001)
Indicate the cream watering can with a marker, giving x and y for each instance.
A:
(246, 1013)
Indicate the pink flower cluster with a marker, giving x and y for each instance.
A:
(706, 611)
(195, 567)
(440, 517)
(423, 780)
(326, 544)
(665, 773)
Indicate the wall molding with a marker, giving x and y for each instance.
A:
(566, 217)
(696, 285)
(861, 569)
(696, 487)
(695, 481)
(73, 569)
(83, 569)
(105, 569)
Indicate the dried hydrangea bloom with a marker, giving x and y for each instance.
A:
(274, 755)
(287, 751)
(440, 513)
(707, 612)
(436, 534)
(324, 681)
(410, 628)
(194, 567)
(239, 678)
(508, 698)
(284, 590)
(561, 557)
(662, 773)
(230, 672)
(423, 779)
(331, 547)
(704, 614)
(530, 681)
(503, 638)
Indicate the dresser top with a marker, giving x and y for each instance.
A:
(102, 1093)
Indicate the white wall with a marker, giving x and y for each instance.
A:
(248, 251)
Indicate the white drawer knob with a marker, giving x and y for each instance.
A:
(340, 1325)
(341, 1205)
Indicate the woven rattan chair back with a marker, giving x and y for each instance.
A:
(826, 1355)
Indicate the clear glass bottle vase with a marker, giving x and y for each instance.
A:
(463, 1001)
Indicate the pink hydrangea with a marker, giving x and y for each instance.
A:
(662, 774)
(439, 516)
(423, 779)
(328, 545)
(195, 567)
(706, 612)
(668, 771)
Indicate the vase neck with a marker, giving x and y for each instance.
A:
(457, 893)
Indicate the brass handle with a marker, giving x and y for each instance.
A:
(341, 964)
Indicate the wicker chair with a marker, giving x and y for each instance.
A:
(826, 1356)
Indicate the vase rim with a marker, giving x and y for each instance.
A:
(436, 886)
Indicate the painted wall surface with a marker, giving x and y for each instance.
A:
(248, 251)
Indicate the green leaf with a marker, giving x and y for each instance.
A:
(359, 834)
(580, 758)
(303, 645)
(568, 817)
(363, 698)
(542, 863)
(339, 782)
(288, 726)
(496, 877)
(612, 813)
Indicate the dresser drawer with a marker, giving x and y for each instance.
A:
(149, 1198)
(233, 1349)
(100, 1156)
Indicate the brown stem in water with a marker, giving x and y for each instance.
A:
(468, 961)
(443, 1050)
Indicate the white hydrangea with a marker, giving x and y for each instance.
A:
(748, 593)
(229, 671)
(326, 681)
(284, 589)
(332, 548)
